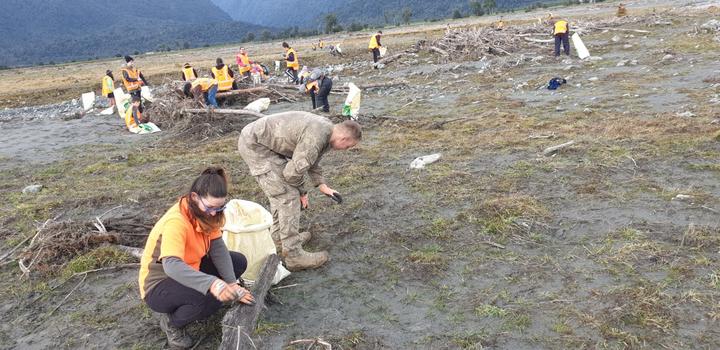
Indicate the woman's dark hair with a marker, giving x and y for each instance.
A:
(212, 182)
(285, 45)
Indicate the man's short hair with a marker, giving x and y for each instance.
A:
(353, 129)
(135, 99)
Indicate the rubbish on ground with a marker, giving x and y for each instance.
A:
(555, 83)
(595, 58)
(421, 162)
(145, 128)
(108, 111)
(32, 189)
(351, 108)
(580, 48)
(259, 105)
(122, 100)
(146, 93)
(712, 25)
(593, 79)
(682, 197)
(667, 57)
(551, 150)
(686, 114)
(247, 230)
(88, 100)
(383, 51)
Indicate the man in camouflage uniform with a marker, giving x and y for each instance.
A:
(279, 150)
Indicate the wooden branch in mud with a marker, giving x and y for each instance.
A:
(240, 321)
(223, 111)
(312, 342)
(626, 30)
(241, 92)
(550, 150)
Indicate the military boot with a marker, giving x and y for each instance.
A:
(176, 337)
(303, 237)
(298, 259)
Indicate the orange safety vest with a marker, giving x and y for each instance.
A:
(107, 86)
(244, 64)
(205, 83)
(133, 74)
(189, 74)
(373, 42)
(225, 81)
(129, 120)
(295, 64)
(561, 27)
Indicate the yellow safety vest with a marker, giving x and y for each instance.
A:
(312, 86)
(189, 74)
(295, 64)
(561, 27)
(107, 86)
(205, 83)
(225, 81)
(245, 61)
(322, 44)
(129, 120)
(133, 74)
(373, 42)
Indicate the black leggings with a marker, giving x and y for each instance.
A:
(183, 304)
(320, 99)
(376, 54)
(292, 74)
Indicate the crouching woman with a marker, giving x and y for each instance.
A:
(187, 272)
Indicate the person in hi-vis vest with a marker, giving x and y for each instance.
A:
(108, 86)
(375, 46)
(189, 73)
(224, 76)
(292, 63)
(561, 32)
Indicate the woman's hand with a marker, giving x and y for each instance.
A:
(304, 201)
(222, 291)
(242, 295)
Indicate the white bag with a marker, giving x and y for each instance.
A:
(121, 98)
(351, 108)
(88, 100)
(420, 162)
(383, 51)
(582, 51)
(260, 105)
(247, 231)
(146, 93)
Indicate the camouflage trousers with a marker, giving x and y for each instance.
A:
(284, 199)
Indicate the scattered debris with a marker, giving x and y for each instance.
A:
(686, 114)
(551, 150)
(32, 189)
(683, 197)
(420, 162)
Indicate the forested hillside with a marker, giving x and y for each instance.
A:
(43, 31)
(311, 14)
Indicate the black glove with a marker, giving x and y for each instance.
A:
(336, 197)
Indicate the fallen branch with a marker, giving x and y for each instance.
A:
(626, 30)
(532, 40)
(68, 295)
(241, 92)
(550, 150)
(223, 111)
(312, 342)
(493, 244)
(438, 50)
(240, 321)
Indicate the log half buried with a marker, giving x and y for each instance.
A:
(254, 90)
(223, 111)
(240, 321)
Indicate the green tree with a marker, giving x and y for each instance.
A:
(476, 8)
(490, 5)
(250, 36)
(457, 14)
(406, 15)
(331, 23)
(265, 35)
(186, 45)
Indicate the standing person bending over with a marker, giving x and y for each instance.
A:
(292, 62)
(561, 30)
(203, 90)
(280, 149)
(186, 271)
(319, 87)
(375, 46)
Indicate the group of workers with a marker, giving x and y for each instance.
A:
(133, 80)
(187, 272)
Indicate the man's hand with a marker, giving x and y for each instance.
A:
(334, 195)
(304, 201)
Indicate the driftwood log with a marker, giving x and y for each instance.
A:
(254, 90)
(240, 321)
(223, 111)
(551, 150)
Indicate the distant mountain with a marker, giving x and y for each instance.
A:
(34, 31)
(310, 14)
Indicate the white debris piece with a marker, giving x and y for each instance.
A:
(420, 162)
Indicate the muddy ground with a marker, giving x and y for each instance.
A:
(610, 243)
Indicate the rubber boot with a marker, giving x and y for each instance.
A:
(176, 337)
(298, 259)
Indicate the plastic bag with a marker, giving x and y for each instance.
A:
(260, 105)
(420, 162)
(88, 100)
(351, 108)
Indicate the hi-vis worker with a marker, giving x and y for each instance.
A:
(375, 46)
(132, 78)
(292, 62)
(189, 73)
(224, 76)
(134, 116)
(561, 32)
(108, 86)
(244, 63)
(321, 44)
(319, 87)
(203, 90)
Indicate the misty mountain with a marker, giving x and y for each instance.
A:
(310, 14)
(34, 31)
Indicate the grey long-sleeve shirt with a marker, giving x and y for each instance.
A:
(181, 272)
